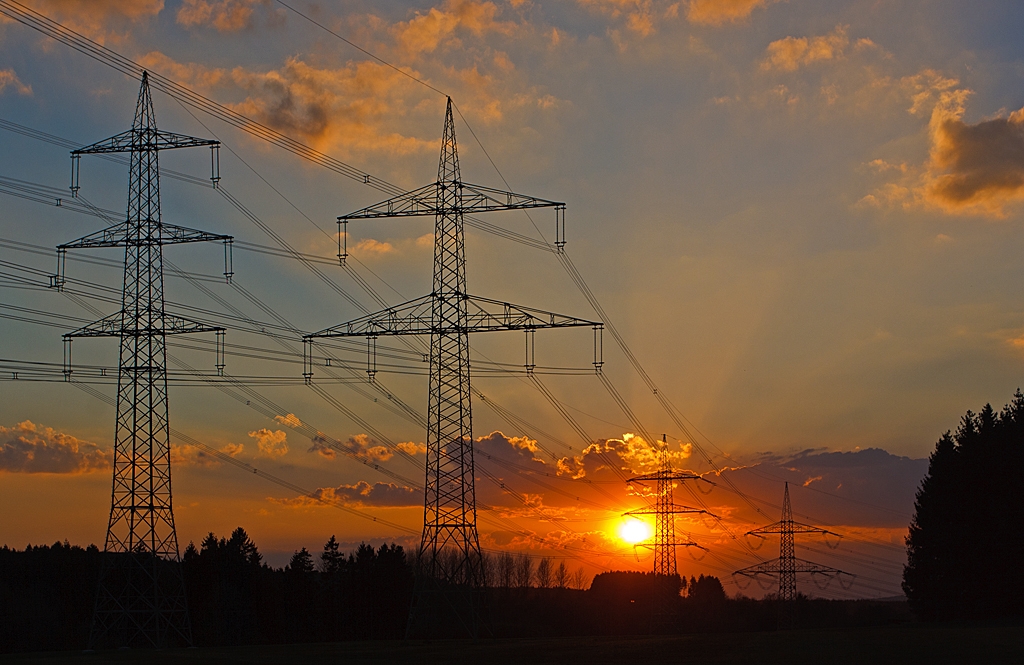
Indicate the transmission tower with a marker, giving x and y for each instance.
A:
(787, 566)
(141, 596)
(449, 557)
(665, 509)
(665, 541)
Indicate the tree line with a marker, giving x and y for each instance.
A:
(47, 594)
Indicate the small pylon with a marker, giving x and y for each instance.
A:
(787, 565)
(141, 597)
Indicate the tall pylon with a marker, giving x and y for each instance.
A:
(141, 597)
(450, 561)
(787, 565)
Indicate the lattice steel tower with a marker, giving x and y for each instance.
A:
(665, 510)
(450, 560)
(141, 597)
(788, 565)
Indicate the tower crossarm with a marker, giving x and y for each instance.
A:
(648, 545)
(775, 566)
(483, 315)
(425, 202)
(664, 474)
(121, 235)
(790, 527)
(673, 509)
(113, 326)
(144, 138)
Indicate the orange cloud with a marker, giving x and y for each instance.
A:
(972, 169)
(224, 15)
(426, 31)
(9, 78)
(371, 246)
(790, 53)
(976, 169)
(718, 12)
(359, 446)
(345, 107)
(640, 15)
(413, 448)
(29, 448)
(101, 20)
(929, 88)
(270, 443)
(630, 453)
(291, 420)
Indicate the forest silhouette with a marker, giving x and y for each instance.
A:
(47, 595)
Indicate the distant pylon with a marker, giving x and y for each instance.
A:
(786, 566)
(449, 558)
(141, 597)
(665, 509)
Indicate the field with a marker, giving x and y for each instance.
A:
(911, 643)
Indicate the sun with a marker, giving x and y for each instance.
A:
(634, 531)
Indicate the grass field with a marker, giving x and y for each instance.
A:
(912, 643)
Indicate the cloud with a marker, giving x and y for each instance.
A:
(190, 455)
(101, 20)
(332, 108)
(413, 448)
(975, 169)
(929, 89)
(362, 493)
(30, 448)
(639, 15)
(224, 15)
(371, 246)
(291, 420)
(972, 169)
(270, 443)
(870, 487)
(322, 448)
(630, 454)
(790, 53)
(511, 448)
(9, 78)
(426, 31)
(360, 446)
(718, 12)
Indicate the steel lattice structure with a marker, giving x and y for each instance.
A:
(665, 510)
(787, 565)
(141, 596)
(450, 558)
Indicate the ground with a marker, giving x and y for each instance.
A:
(912, 643)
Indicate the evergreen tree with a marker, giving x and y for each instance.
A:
(963, 540)
(331, 559)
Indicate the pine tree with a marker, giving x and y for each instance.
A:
(963, 541)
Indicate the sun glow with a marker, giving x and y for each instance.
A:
(634, 531)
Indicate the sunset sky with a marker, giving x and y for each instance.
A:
(804, 217)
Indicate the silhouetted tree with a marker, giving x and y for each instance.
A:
(543, 575)
(562, 575)
(301, 563)
(706, 589)
(523, 570)
(963, 541)
(331, 559)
